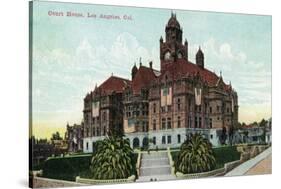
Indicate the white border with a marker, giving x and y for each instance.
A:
(14, 90)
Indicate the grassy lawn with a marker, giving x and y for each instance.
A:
(226, 154)
(67, 168)
(222, 154)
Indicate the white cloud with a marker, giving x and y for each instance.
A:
(251, 79)
(226, 52)
(65, 77)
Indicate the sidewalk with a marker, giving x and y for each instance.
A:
(254, 165)
(263, 167)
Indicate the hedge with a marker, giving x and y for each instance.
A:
(66, 168)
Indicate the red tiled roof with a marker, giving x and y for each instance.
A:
(114, 84)
(143, 78)
(183, 68)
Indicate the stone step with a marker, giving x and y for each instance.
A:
(154, 162)
(154, 155)
(158, 170)
(155, 178)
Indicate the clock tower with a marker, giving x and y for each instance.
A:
(172, 49)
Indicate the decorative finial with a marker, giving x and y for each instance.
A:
(111, 73)
(140, 62)
(220, 73)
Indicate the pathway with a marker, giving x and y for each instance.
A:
(263, 167)
(154, 167)
(249, 166)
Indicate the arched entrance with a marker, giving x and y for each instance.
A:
(136, 142)
(145, 142)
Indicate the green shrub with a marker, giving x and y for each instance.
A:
(222, 155)
(113, 159)
(195, 156)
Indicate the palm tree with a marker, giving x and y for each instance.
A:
(113, 159)
(196, 155)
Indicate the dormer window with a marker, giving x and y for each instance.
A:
(179, 55)
(167, 55)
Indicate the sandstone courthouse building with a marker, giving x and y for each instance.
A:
(160, 108)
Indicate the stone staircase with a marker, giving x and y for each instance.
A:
(154, 167)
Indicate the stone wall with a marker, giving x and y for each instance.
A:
(39, 182)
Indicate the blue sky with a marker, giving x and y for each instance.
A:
(72, 54)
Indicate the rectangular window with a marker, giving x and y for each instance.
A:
(196, 124)
(88, 132)
(87, 145)
(154, 108)
(211, 124)
(143, 126)
(211, 110)
(163, 123)
(179, 107)
(200, 122)
(163, 139)
(154, 124)
(179, 138)
(154, 140)
(169, 108)
(189, 122)
(179, 122)
(169, 123)
(169, 139)
(189, 104)
(104, 130)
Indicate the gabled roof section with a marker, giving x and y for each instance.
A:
(114, 84)
(182, 68)
(143, 78)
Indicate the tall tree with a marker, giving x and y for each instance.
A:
(56, 136)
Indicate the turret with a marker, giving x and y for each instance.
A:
(134, 71)
(200, 58)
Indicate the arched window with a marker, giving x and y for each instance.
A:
(167, 55)
(145, 142)
(179, 55)
(154, 140)
(136, 142)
